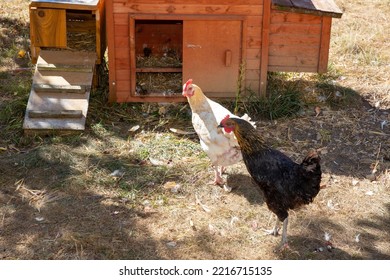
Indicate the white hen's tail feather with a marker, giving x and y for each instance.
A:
(248, 119)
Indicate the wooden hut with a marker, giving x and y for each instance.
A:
(156, 45)
(67, 42)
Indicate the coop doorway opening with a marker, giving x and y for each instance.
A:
(158, 57)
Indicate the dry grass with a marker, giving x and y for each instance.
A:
(118, 192)
(360, 45)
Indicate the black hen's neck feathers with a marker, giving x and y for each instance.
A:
(248, 137)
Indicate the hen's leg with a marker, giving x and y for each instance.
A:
(284, 234)
(284, 243)
(218, 178)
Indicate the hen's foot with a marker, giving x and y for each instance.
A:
(222, 184)
(282, 247)
(226, 188)
(217, 182)
(274, 231)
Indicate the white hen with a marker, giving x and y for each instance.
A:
(222, 148)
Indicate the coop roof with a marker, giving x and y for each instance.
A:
(317, 7)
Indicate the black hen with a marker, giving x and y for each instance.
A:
(286, 184)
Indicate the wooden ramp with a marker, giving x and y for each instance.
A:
(60, 92)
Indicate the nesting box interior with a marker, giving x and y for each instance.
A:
(158, 52)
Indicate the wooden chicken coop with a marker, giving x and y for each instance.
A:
(67, 42)
(154, 46)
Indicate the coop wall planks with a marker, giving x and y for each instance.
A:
(295, 41)
(220, 7)
(294, 18)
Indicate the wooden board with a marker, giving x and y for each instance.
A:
(299, 42)
(290, 68)
(295, 42)
(67, 58)
(92, 5)
(64, 67)
(285, 17)
(54, 114)
(204, 59)
(181, 9)
(59, 110)
(49, 27)
(324, 45)
(317, 7)
(60, 88)
(265, 37)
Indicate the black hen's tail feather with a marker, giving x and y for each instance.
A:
(311, 163)
(311, 170)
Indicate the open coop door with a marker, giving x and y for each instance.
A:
(212, 52)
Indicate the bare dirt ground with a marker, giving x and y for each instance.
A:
(114, 193)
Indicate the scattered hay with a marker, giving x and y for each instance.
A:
(81, 42)
(154, 61)
(166, 84)
(36, 198)
(160, 83)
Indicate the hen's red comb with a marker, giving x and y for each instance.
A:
(225, 118)
(187, 84)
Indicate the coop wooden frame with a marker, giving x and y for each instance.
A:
(154, 96)
(277, 35)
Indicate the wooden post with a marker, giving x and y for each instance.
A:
(100, 31)
(34, 50)
(110, 29)
(324, 44)
(265, 47)
(133, 63)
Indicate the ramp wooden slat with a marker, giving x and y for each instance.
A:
(56, 110)
(51, 114)
(60, 88)
(64, 67)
